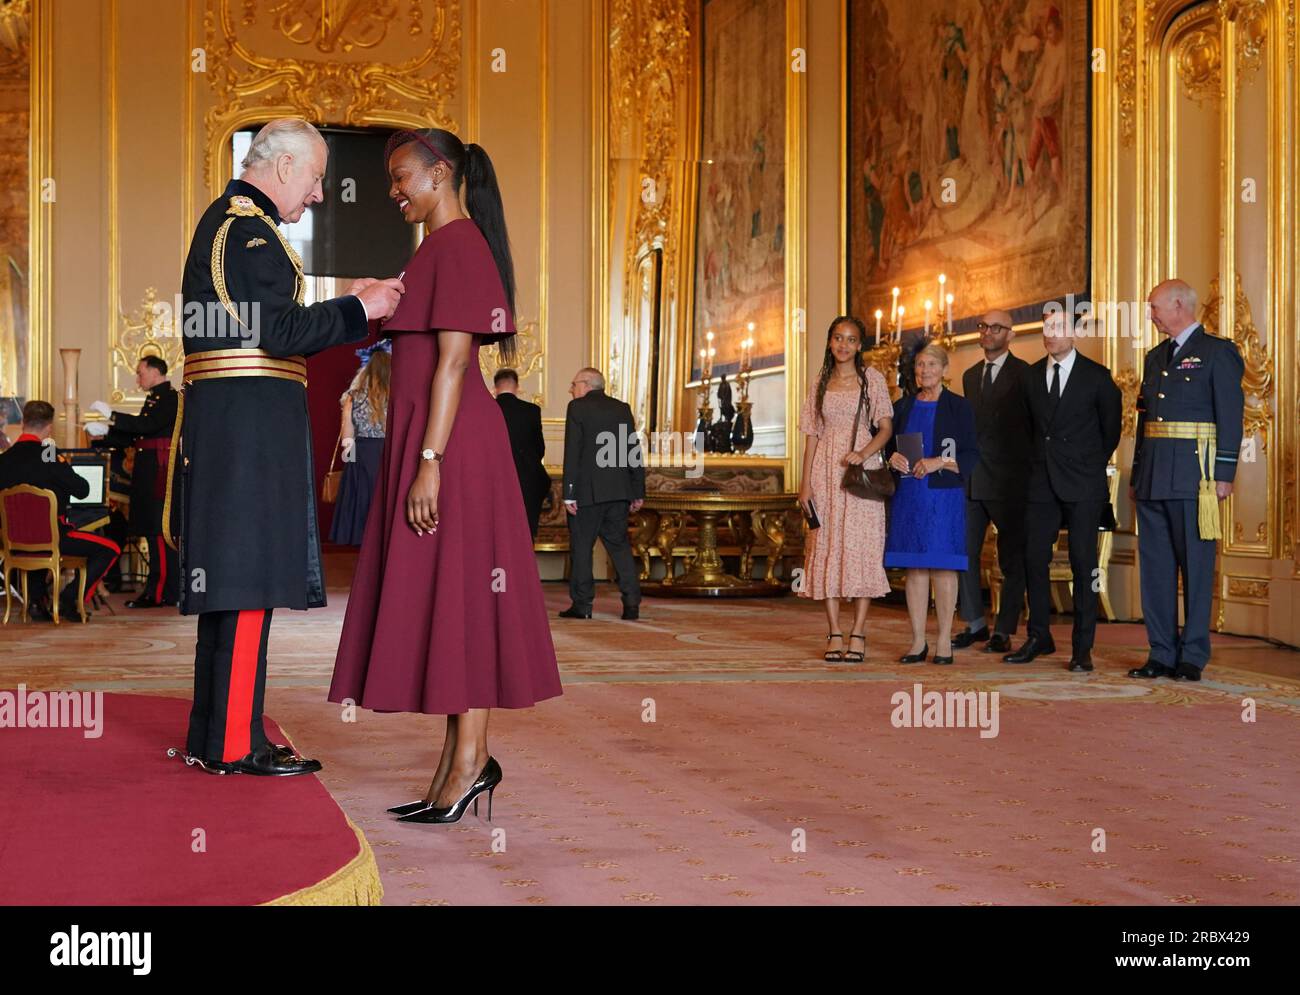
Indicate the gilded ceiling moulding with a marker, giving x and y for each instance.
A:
(250, 84)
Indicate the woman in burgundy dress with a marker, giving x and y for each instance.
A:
(446, 614)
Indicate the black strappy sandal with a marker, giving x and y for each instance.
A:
(853, 656)
(833, 656)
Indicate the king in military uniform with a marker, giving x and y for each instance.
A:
(1184, 462)
(241, 482)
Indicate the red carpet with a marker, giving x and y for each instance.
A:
(112, 820)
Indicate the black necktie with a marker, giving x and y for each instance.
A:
(988, 377)
(1054, 392)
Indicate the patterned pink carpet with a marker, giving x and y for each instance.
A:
(768, 776)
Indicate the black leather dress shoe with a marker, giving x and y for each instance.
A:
(1080, 663)
(1151, 668)
(1033, 647)
(286, 754)
(1186, 672)
(142, 602)
(999, 642)
(631, 613)
(573, 611)
(268, 762)
(966, 637)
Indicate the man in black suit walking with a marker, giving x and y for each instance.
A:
(604, 480)
(524, 425)
(997, 487)
(1075, 411)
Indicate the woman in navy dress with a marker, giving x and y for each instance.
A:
(927, 522)
(365, 409)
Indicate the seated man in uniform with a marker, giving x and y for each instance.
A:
(30, 461)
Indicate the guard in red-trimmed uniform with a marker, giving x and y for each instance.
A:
(241, 482)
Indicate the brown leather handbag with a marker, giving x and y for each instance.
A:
(329, 487)
(875, 485)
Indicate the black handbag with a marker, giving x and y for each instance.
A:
(874, 485)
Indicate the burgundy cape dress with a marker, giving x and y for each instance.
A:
(454, 619)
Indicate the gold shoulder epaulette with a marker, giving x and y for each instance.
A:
(243, 207)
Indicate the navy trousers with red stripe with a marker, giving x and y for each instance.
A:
(229, 683)
(100, 553)
(164, 566)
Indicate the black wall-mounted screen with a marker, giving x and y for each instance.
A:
(357, 230)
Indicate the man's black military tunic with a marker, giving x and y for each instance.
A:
(244, 483)
(150, 432)
(249, 537)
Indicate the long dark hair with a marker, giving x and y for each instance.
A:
(470, 165)
(828, 361)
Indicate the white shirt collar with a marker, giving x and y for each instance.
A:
(1066, 364)
(997, 363)
(1181, 338)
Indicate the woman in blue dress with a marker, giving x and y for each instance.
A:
(927, 521)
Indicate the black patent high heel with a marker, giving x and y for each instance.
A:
(487, 781)
(916, 657)
(410, 807)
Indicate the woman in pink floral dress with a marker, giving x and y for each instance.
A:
(844, 557)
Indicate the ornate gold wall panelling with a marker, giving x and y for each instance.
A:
(652, 52)
(256, 72)
(149, 330)
(1207, 52)
(30, 26)
(647, 129)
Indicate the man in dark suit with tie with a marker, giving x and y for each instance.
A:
(524, 425)
(604, 480)
(1184, 463)
(1075, 415)
(996, 488)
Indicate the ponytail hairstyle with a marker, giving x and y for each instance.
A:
(470, 165)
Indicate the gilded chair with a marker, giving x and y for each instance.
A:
(29, 534)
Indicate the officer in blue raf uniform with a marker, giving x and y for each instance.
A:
(1188, 436)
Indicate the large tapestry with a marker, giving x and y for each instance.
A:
(968, 152)
(740, 234)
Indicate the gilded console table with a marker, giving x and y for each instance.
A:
(751, 517)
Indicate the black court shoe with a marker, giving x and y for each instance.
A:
(487, 781)
(916, 657)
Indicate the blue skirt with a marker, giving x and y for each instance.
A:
(355, 491)
(927, 526)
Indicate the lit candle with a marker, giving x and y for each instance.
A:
(878, 317)
(928, 304)
(894, 310)
(942, 280)
(898, 331)
(950, 314)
